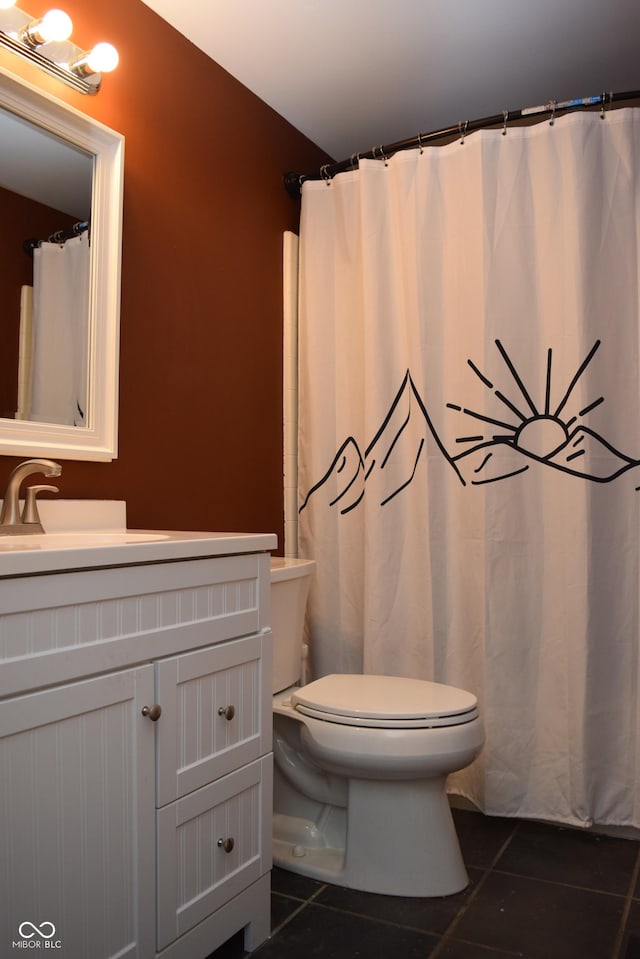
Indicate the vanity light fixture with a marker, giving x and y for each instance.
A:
(45, 42)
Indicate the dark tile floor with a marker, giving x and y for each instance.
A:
(536, 891)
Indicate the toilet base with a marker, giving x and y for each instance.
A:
(394, 838)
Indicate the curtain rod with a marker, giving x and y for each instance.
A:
(293, 181)
(61, 236)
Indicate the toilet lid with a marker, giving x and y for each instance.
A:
(385, 701)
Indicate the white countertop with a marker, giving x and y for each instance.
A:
(84, 534)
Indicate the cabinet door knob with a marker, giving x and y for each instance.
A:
(153, 712)
(226, 844)
(227, 711)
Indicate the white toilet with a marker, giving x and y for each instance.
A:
(361, 764)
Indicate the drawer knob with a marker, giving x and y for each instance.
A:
(153, 712)
(226, 844)
(227, 711)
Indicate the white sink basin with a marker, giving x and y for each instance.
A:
(81, 539)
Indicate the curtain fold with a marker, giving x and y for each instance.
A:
(469, 446)
(59, 356)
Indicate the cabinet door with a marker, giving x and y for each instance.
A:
(212, 844)
(77, 859)
(215, 714)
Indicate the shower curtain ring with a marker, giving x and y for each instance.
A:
(324, 173)
(553, 112)
(381, 152)
(505, 117)
(462, 127)
(355, 161)
(420, 147)
(603, 97)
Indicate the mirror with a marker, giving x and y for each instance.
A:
(69, 170)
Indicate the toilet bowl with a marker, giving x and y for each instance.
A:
(361, 764)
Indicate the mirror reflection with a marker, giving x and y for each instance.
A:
(45, 259)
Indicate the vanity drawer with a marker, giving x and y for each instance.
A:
(212, 844)
(215, 714)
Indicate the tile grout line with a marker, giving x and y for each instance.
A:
(558, 882)
(376, 919)
(296, 912)
(455, 922)
(627, 909)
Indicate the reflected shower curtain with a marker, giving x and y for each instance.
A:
(469, 446)
(60, 332)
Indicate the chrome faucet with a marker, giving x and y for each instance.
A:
(11, 522)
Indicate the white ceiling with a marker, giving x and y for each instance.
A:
(354, 74)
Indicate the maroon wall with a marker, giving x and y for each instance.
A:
(200, 425)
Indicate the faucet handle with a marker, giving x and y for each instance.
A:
(30, 511)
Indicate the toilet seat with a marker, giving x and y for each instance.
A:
(388, 702)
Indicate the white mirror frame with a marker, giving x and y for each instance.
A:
(98, 440)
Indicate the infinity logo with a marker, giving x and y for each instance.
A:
(40, 931)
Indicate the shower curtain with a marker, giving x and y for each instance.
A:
(59, 332)
(469, 446)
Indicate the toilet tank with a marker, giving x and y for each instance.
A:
(290, 580)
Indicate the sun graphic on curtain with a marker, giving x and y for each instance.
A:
(529, 434)
(542, 434)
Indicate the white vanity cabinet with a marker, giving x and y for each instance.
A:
(121, 835)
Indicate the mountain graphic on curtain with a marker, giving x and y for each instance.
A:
(526, 437)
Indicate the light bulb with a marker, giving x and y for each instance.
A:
(55, 25)
(5, 4)
(103, 58)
